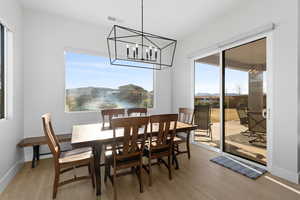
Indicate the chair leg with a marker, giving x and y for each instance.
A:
(56, 182)
(92, 173)
(106, 171)
(158, 162)
(169, 167)
(133, 169)
(140, 178)
(173, 152)
(174, 159)
(150, 171)
(114, 184)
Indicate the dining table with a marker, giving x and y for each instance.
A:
(95, 136)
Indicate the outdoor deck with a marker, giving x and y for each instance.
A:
(236, 143)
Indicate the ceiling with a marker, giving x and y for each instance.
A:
(169, 18)
(242, 57)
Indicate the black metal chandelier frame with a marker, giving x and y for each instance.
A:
(156, 62)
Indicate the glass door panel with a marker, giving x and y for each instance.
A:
(245, 101)
(207, 100)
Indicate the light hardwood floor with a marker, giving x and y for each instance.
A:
(196, 179)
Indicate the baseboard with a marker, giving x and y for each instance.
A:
(10, 174)
(285, 174)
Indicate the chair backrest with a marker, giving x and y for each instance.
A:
(137, 111)
(256, 122)
(110, 113)
(165, 125)
(50, 135)
(202, 115)
(130, 127)
(186, 115)
(242, 113)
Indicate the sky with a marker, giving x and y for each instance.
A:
(95, 71)
(207, 80)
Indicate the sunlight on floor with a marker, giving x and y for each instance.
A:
(283, 185)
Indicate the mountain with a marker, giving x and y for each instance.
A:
(93, 91)
(215, 94)
(206, 94)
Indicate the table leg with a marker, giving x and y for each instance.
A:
(97, 149)
(35, 155)
(188, 144)
(38, 152)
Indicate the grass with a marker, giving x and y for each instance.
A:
(230, 114)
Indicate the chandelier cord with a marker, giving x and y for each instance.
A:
(142, 29)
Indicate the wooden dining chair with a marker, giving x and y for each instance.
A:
(110, 113)
(161, 145)
(202, 118)
(137, 111)
(185, 116)
(66, 161)
(130, 155)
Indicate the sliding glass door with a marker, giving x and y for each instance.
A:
(245, 101)
(239, 127)
(207, 100)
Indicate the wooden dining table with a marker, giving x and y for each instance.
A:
(93, 135)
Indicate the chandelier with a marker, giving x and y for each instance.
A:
(134, 48)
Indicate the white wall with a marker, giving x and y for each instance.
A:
(285, 67)
(11, 129)
(45, 38)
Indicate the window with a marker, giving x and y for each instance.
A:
(2, 76)
(93, 84)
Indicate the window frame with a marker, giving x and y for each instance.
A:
(2, 68)
(100, 54)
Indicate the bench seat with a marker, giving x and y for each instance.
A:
(35, 143)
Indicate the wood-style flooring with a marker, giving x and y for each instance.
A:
(196, 179)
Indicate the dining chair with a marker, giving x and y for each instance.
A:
(137, 111)
(66, 161)
(110, 113)
(130, 154)
(257, 127)
(185, 116)
(202, 118)
(243, 117)
(161, 145)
